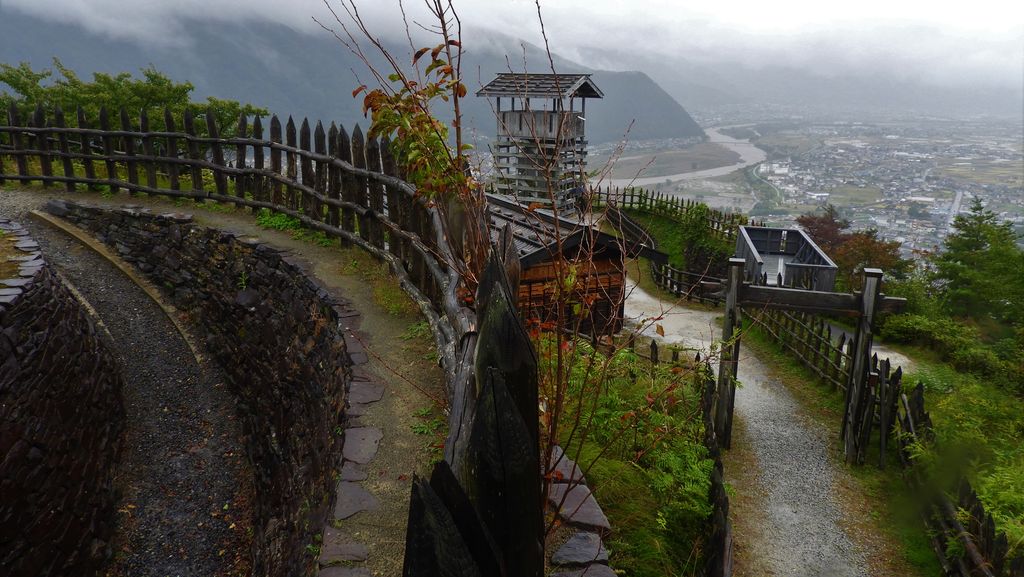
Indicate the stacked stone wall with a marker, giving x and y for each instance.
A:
(61, 419)
(280, 336)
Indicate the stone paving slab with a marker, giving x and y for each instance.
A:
(361, 444)
(566, 469)
(365, 392)
(352, 472)
(339, 546)
(580, 508)
(352, 499)
(581, 549)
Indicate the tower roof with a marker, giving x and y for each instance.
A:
(542, 86)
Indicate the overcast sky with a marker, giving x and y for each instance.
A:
(941, 41)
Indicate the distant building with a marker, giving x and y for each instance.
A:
(540, 150)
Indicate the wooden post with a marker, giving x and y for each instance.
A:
(333, 175)
(857, 384)
(108, 149)
(219, 178)
(359, 188)
(275, 159)
(65, 150)
(729, 355)
(307, 178)
(148, 150)
(259, 190)
(347, 181)
(654, 351)
(394, 198)
(193, 151)
(132, 166)
(86, 146)
(375, 192)
(242, 180)
(43, 146)
(172, 150)
(321, 170)
(291, 164)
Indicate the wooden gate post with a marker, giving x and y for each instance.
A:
(855, 388)
(730, 354)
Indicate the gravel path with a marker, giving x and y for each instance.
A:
(800, 522)
(183, 478)
(404, 366)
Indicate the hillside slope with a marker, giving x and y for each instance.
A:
(292, 72)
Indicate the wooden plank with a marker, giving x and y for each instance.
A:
(85, 144)
(65, 150)
(108, 149)
(291, 165)
(193, 151)
(277, 197)
(172, 150)
(148, 149)
(321, 171)
(307, 177)
(43, 145)
(333, 175)
(359, 186)
(242, 181)
(260, 190)
(394, 199)
(799, 300)
(375, 191)
(348, 183)
(128, 144)
(217, 151)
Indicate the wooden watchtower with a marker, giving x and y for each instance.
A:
(540, 150)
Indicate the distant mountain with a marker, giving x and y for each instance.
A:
(294, 72)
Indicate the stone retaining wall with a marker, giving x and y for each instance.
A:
(280, 337)
(61, 418)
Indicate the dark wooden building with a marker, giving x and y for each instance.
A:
(540, 151)
(598, 293)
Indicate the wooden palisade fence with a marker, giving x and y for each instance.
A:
(722, 224)
(345, 186)
(348, 187)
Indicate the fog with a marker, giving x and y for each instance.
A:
(976, 44)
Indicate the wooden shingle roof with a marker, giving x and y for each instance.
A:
(535, 233)
(542, 86)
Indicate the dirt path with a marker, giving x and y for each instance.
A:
(787, 516)
(400, 358)
(184, 483)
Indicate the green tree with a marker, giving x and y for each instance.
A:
(979, 270)
(153, 92)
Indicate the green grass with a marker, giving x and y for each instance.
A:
(854, 195)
